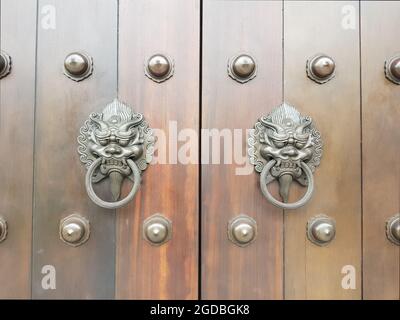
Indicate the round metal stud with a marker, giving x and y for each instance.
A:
(74, 230)
(159, 68)
(5, 64)
(242, 230)
(321, 230)
(321, 68)
(3, 229)
(392, 69)
(157, 229)
(242, 68)
(393, 229)
(78, 66)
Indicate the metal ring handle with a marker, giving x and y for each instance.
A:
(279, 204)
(117, 204)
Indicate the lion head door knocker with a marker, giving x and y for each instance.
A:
(285, 146)
(115, 144)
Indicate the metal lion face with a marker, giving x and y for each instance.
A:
(290, 139)
(115, 135)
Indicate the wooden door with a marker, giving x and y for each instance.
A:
(355, 112)
(42, 111)
(231, 28)
(381, 178)
(17, 108)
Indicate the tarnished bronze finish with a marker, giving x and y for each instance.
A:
(392, 69)
(5, 64)
(157, 229)
(78, 66)
(242, 230)
(321, 68)
(321, 230)
(159, 68)
(393, 229)
(3, 229)
(242, 68)
(74, 230)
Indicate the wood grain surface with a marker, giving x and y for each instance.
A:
(313, 27)
(42, 178)
(62, 106)
(381, 149)
(17, 101)
(172, 28)
(229, 271)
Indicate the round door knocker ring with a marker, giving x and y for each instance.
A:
(5, 64)
(117, 204)
(279, 204)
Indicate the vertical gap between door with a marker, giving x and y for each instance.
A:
(34, 147)
(361, 154)
(199, 272)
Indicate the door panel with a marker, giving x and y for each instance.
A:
(202, 112)
(17, 101)
(169, 271)
(231, 28)
(62, 106)
(313, 272)
(381, 149)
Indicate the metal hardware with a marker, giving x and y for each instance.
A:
(242, 68)
(157, 229)
(159, 68)
(320, 68)
(393, 229)
(321, 230)
(242, 230)
(74, 230)
(5, 64)
(116, 144)
(392, 69)
(78, 66)
(3, 229)
(285, 146)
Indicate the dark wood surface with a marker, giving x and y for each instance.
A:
(62, 106)
(42, 179)
(381, 149)
(17, 100)
(313, 272)
(229, 271)
(172, 28)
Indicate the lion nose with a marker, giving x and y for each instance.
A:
(290, 151)
(113, 149)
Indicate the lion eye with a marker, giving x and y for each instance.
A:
(280, 144)
(123, 142)
(300, 145)
(103, 142)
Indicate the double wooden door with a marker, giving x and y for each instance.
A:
(200, 177)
